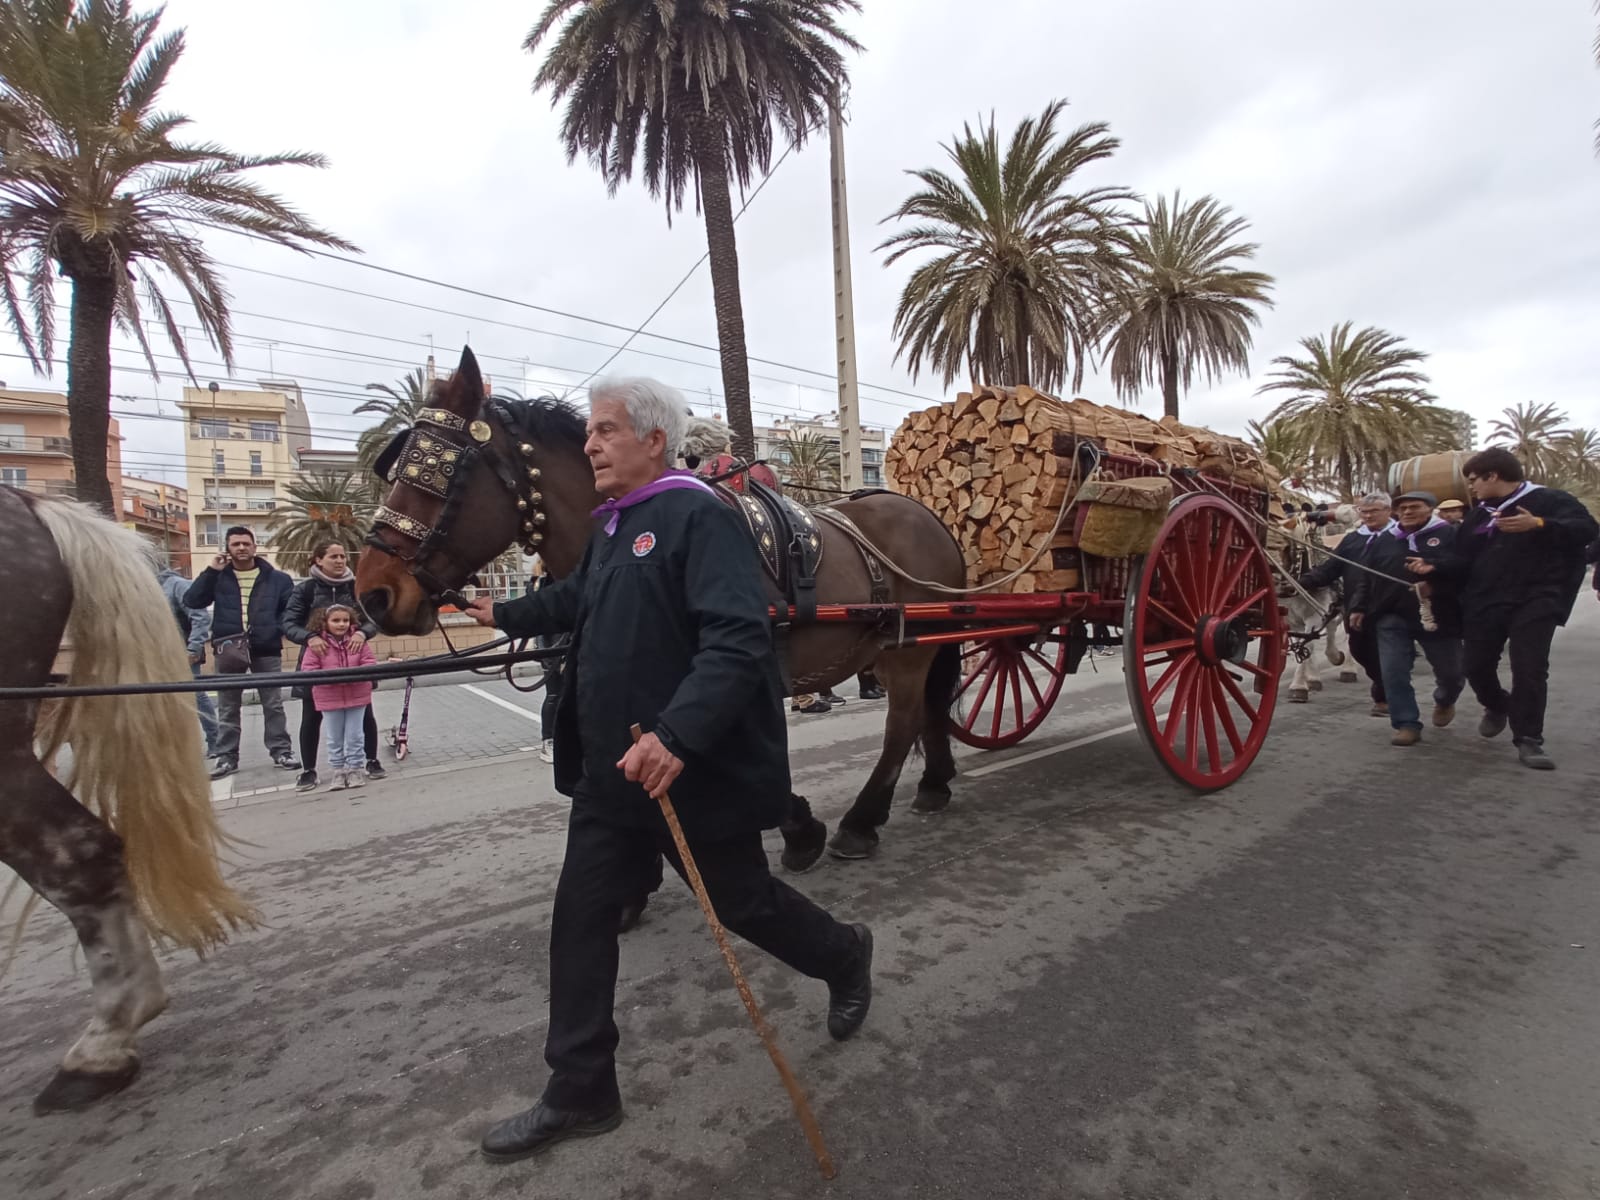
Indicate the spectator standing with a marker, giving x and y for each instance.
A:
(1519, 564)
(341, 704)
(331, 582)
(1388, 604)
(1344, 567)
(195, 625)
(247, 596)
(1452, 510)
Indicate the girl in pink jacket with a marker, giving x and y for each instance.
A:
(341, 704)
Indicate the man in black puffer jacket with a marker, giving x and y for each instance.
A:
(1376, 517)
(1387, 607)
(247, 595)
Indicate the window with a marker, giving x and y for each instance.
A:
(263, 431)
(219, 462)
(209, 531)
(15, 476)
(255, 462)
(212, 427)
(13, 437)
(871, 457)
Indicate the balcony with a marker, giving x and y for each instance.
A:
(28, 443)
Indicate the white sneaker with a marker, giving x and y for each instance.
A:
(547, 750)
(339, 782)
(355, 779)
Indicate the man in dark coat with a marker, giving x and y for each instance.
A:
(1376, 517)
(247, 595)
(1519, 563)
(1388, 607)
(670, 631)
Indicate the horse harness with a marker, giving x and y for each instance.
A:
(430, 457)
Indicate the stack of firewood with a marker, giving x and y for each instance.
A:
(998, 464)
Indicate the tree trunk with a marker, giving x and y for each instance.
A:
(712, 164)
(89, 387)
(1169, 383)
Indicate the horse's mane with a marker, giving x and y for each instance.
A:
(540, 419)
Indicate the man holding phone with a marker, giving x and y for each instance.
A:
(1519, 563)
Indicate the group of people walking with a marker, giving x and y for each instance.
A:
(1465, 585)
(241, 608)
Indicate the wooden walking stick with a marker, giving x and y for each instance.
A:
(797, 1095)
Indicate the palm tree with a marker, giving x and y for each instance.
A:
(694, 87)
(1281, 449)
(94, 186)
(321, 506)
(1023, 263)
(808, 464)
(400, 404)
(1357, 402)
(1533, 432)
(1188, 302)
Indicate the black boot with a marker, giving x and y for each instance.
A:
(536, 1130)
(804, 837)
(849, 999)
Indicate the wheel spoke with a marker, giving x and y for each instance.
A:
(1168, 677)
(1220, 594)
(1191, 719)
(1168, 647)
(999, 701)
(1253, 598)
(1177, 593)
(976, 671)
(1238, 696)
(1180, 703)
(1032, 686)
(1258, 672)
(983, 693)
(1052, 668)
(1167, 615)
(1223, 711)
(1208, 714)
(1016, 690)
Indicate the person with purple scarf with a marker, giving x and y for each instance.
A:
(669, 621)
(1518, 562)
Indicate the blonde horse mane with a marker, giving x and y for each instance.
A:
(137, 761)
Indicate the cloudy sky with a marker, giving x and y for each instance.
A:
(1422, 165)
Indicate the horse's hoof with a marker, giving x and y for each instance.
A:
(928, 803)
(852, 845)
(1336, 657)
(1315, 685)
(74, 1091)
(802, 848)
(1347, 677)
(1298, 696)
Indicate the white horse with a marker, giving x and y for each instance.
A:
(1310, 612)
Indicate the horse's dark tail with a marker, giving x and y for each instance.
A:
(939, 692)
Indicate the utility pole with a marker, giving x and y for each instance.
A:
(844, 310)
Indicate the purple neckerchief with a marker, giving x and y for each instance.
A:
(1411, 538)
(612, 509)
(1488, 527)
(1369, 534)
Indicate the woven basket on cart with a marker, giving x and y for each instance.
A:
(1119, 517)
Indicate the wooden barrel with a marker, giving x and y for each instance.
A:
(1437, 473)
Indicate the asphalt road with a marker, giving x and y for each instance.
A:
(1361, 972)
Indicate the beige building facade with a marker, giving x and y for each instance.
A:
(36, 446)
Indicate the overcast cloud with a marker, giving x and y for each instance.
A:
(1422, 165)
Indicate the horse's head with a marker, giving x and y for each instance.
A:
(473, 476)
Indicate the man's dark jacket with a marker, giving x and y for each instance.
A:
(219, 591)
(1335, 570)
(1374, 596)
(1538, 573)
(669, 628)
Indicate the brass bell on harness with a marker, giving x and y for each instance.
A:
(525, 448)
(522, 505)
(533, 474)
(536, 497)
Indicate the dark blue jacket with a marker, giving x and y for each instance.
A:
(219, 591)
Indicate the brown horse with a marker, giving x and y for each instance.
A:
(126, 845)
(478, 474)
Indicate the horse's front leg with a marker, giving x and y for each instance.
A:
(75, 862)
(903, 674)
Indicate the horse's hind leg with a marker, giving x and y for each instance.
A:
(902, 673)
(74, 862)
(804, 836)
(939, 763)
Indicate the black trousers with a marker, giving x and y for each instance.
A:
(1490, 633)
(608, 865)
(1364, 649)
(311, 734)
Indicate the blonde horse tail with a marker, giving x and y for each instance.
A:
(137, 761)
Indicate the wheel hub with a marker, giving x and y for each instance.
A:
(1218, 641)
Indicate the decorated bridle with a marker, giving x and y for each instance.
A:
(432, 457)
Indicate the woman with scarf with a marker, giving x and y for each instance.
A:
(332, 582)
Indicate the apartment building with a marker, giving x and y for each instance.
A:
(771, 439)
(36, 445)
(160, 511)
(241, 452)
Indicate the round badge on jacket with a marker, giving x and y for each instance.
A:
(643, 544)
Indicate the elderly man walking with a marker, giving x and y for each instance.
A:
(1377, 517)
(668, 617)
(1519, 563)
(1388, 606)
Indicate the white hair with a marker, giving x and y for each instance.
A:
(1377, 500)
(651, 405)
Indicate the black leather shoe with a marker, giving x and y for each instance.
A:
(848, 1001)
(1493, 723)
(1532, 755)
(535, 1131)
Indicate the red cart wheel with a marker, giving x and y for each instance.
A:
(1007, 688)
(1204, 643)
